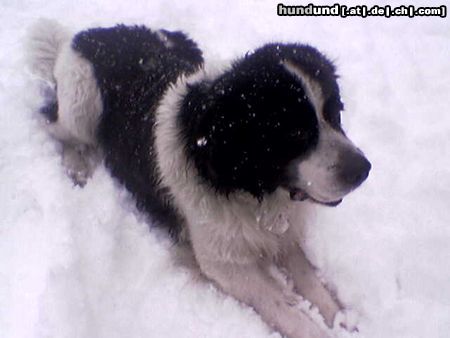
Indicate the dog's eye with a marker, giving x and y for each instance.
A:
(332, 112)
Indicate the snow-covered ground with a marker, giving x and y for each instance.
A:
(82, 263)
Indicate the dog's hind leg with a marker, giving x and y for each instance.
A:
(79, 157)
(73, 102)
(79, 109)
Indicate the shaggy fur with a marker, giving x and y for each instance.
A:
(224, 161)
(133, 67)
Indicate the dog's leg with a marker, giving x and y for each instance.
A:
(309, 285)
(72, 110)
(71, 124)
(252, 284)
(80, 162)
(72, 99)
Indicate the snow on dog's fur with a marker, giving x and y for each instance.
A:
(230, 163)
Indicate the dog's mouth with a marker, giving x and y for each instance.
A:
(300, 195)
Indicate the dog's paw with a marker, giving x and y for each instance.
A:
(347, 320)
(78, 177)
(79, 163)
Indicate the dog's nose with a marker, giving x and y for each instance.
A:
(354, 168)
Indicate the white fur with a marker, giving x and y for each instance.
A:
(237, 215)
(237, 240)
(312, 88)
(318, 173)
(51, 58)
(79, 99)
(44, 40)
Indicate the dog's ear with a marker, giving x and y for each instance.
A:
(319, 69)
(308, 59)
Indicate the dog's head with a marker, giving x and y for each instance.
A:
(273, 120)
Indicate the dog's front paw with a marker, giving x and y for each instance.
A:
(347, 319)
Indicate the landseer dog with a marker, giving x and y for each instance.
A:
(229, 162)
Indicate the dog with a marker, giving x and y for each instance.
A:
(230, 162)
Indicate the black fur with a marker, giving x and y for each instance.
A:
(243, 129)
(240, 130)
(133, 67)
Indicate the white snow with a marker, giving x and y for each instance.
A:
(82, 263)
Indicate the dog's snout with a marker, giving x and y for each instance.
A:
(354, 168)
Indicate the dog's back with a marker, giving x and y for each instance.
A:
(133, 67)
(109, 82)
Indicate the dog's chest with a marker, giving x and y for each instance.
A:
(239, 230)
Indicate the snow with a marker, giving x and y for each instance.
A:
(83, 263)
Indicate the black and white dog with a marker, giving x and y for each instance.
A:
(230, 163)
